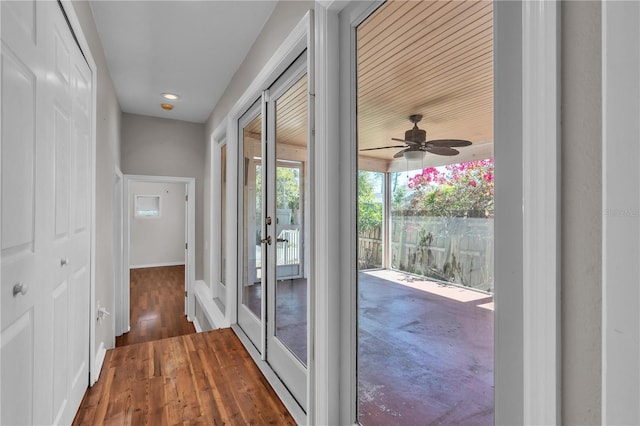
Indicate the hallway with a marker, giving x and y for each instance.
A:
(157, 305)
(204, 378)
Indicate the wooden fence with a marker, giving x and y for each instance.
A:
(450, 249)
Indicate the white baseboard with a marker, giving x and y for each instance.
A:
(156, 265)
(214, 315)
(196, 325)
(100, 354)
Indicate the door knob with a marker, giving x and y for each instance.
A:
(64, 262)
(19, 288)
(266, 240)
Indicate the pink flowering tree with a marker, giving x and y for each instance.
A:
(463, 189)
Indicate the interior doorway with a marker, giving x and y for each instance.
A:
(159, 239)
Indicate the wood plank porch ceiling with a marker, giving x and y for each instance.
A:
(433, 58)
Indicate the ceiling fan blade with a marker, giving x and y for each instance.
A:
(400, 154)
(384, 147)
(449, 142)
(442, 150)
(406, 141)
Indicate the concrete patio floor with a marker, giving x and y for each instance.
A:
(425, 352)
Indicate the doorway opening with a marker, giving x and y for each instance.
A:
(425, 213)
(158, 272)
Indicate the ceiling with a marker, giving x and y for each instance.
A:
(433, 58)
(190, 48)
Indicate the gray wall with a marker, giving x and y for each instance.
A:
(108, 158)
(284, 18)
(158, 240)
(581, 213)
(161, 147)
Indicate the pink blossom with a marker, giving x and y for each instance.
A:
(472, 183)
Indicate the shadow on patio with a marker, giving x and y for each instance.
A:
(425, 352)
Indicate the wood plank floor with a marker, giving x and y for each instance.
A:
(205, 378)
(157, 305)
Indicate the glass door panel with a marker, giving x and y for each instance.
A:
(250, 312)
(288, 203)
(274, 287)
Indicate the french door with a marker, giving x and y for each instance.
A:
(273, 291)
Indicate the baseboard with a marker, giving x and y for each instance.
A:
(213, 313)
(156, 265)
(196, 325)
(100, 354)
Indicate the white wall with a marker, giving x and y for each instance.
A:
(108, 116)
(161, 147)
(158, 241)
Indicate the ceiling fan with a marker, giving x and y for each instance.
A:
(415, 142)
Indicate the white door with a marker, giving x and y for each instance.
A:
(274, 287)
(46, 104)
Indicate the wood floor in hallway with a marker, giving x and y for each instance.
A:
(157, 305)
(206, 378)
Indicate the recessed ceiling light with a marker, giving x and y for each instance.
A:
(168, 107)
(170, 96)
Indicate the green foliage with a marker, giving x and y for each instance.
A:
(369, 212)
(288, 188)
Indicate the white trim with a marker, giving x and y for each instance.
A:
(218, 138)
(621, 213)
(157, 265)
(118, 234)
(100, 355)
(190, 225)
(211, 310)
(84, 46)
(541, 211)
(325, 373)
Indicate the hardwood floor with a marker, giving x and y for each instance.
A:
(205, 378)
(157, 305)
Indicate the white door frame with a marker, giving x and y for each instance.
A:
(299, 39)
(527, 36)
(119, 326)
(621, 213)
(190, 219)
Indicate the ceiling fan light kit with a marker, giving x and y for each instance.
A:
(416, 144)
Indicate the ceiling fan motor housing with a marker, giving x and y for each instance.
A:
(415, 135)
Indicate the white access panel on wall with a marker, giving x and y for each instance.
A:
(46, 196)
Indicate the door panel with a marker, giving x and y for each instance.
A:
(250, 303)
(46, 151)
(273, 295)
(287, 281)
(17, 371)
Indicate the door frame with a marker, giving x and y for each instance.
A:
(125, 308)
(527, 334)
(300, 38)
(119, 326)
